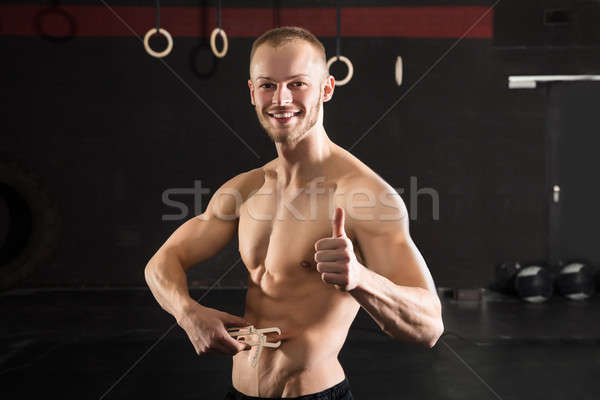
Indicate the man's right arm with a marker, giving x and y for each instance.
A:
(196, 240)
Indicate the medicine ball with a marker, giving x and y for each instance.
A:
(504, 276)
(534, 284)
(576, 281)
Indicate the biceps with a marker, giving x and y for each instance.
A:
(200, 238)
(399, 260)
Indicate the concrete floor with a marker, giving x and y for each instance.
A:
(85, 344)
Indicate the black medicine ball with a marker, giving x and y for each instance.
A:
(504, 276)
(534, 284)
(576, 281)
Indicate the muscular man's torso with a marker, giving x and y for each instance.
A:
(277, 232)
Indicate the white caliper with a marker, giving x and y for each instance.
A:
(255, 338)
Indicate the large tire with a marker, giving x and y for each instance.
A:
(33, 225)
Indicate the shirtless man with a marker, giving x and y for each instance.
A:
(320, 233)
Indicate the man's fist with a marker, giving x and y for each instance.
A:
(207, 330)
(335, 257)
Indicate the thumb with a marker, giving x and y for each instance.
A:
(239, 342)
(230, 320)
(338, 223)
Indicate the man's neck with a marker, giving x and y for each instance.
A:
(299, 163)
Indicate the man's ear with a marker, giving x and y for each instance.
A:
(251, 92)
(328, 88)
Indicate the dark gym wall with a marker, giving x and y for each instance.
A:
(109, 129)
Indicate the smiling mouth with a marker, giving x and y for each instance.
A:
(284, 117)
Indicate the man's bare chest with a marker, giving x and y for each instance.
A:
(278, 230)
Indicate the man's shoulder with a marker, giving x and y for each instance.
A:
(251, 180)
(227, 200)
(370, 192)
(359, 176)
(369, 199)
(245, 182)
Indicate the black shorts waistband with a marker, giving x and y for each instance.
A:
(340, 391)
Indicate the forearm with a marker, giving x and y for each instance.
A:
(402, 312)
(168, 282)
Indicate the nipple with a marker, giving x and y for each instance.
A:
(305, 264)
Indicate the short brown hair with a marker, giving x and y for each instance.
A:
(285, 34)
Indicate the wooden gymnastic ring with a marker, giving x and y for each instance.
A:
(348, 64)
(39, 25)
(213, 42)
(153, 53)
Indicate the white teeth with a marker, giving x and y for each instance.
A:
(284, 115)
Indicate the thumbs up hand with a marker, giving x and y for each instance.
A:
(335, 257)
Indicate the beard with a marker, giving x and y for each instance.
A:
(292, 134)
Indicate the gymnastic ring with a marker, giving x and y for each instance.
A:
(348, 64)
(194, 65)
(213, 44)
(59, 11)
(167, 36)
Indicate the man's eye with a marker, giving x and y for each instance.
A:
(266, 85)
(298, 84)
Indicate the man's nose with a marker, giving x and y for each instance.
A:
(282, 95)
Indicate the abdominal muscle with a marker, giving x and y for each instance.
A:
(314, 319)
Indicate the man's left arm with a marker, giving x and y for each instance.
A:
(393, 283)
